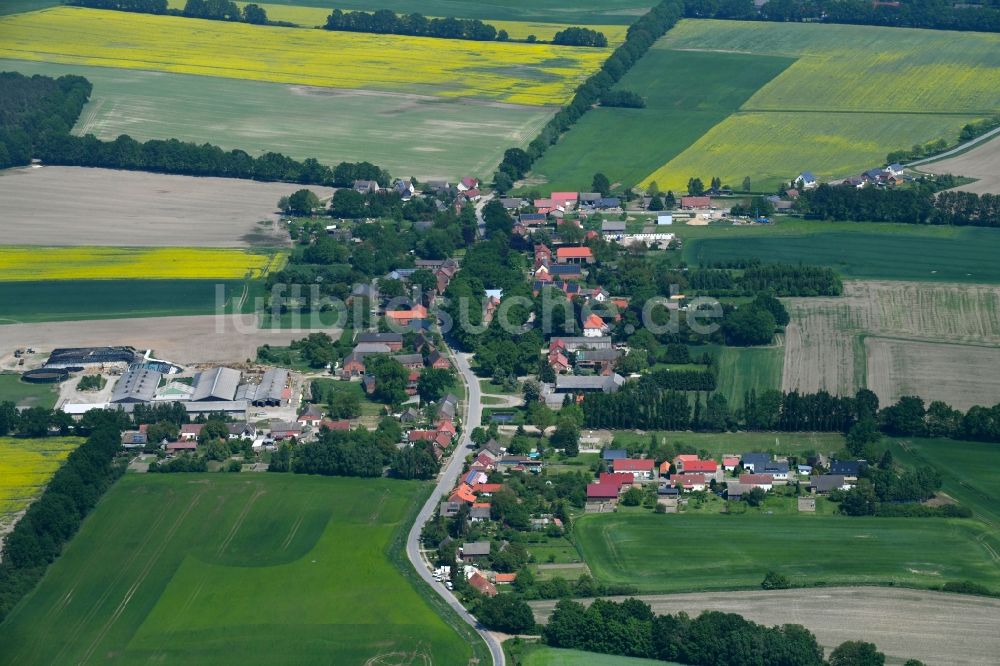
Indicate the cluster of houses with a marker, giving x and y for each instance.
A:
(474, 490)
(441, 433)
(414, 317)
(883, 177)
(464, 191)
(689, 473)
(368, 344)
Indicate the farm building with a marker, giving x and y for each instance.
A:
(574, 255)
(137, 385)
(695, 202)
(69, 357)
(271, 390)
(218, 384)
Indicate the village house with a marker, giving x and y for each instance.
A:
(690, 203)
(827, 483)
(763, 481)
(479, 583)
(806, 181)
(392, 341)
(600, 493)
(366, 186)
(690, 482)
(730, 463)
(574, 255)
(189, 446)
(190, 431)
(850, 469)
(285, 430)
(594, 327)
(755, 462)
(640, 469)
(475, 551)
(312, 416)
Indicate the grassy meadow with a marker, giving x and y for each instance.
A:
(686, 92)
(742, 369)
(856, 250)
(26, 465)
(718, 444)
(967, 469)
(847, 97)
(24, 394)
(541, 655)
(532, 74)
(69, 300)
(235, 569)
(27, 264)
(662, 554)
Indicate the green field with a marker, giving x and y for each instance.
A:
(23, 394)
(677, 553)
(742, 369)
(612, 12)
(856, 250)
(686, 92)
(68, 300)
(851, 95)
(18, 6)
(545, 656)
(717, 444)
(436, 137)
(968, 470)
(235, 569)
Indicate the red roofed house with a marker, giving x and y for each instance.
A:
(689, 481)
(620, 479)
(641, 470)
(564, 199)
(505, 578)
(763, 481)
(446, 426)
(467, 183)
(482, 585)
(558, 362)
(487, 488)
(542, 253)
(404, 317)
(442, 439)
(544, 206)
(709, 467)
(574, 255)
(330, 424)
(603, 492)
(594, 327)
(462, 494)
(180, 447)
(696, 202)
(421, 435)
(730, 463)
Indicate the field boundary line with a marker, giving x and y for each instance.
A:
(143, 574)
(239, 522)
(291, 534)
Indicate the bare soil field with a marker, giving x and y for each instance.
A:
(935, 627)
(823, 347)
(199, 339)
(982, 163)
(82, 206)
(960, 375)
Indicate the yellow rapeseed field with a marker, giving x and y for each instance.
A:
(501, 71)
(770, 147)
(26, 465)
(19, 264)
(314, 16)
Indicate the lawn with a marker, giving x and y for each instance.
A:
(24, 394)
(686, 93)
(716, 444)
(235, 569)
(852, 95)
(327, 387)
(742, 369)
(588, 12)
(116, 263)
(68, 300)
(445, 138)
(541, 655)
(535, 74)
(677, 553)
(26, 465)
(967, 469)
(859, 250)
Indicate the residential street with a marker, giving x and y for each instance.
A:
(446, 481)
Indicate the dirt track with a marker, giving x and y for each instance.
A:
(200, 339)
(982, 162)
(81, 206)
(935, 627)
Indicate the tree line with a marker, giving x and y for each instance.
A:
(641, 35)
(213, 10)
(630, 628)
(919, 204)
(388, 22)
(933, 14)
(52, 520)
(38, 112)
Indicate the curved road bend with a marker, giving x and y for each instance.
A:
(447, 480)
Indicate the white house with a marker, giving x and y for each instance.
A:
(594, 327)
(806, 180)
(664, 220)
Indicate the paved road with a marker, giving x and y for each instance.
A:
(479, 214)
(446, 481)
(957, 149)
